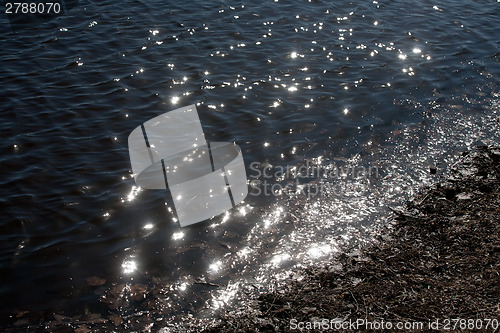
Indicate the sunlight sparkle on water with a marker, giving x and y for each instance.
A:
(244, 252)
(178, 235)
(317, 251)
(226, 296)
(148, 226)
(279, 210)
(215, 267)
(183, 286)
(279, 258)
(133, 193)
(129, 266)
(243, 211)
(226, 217)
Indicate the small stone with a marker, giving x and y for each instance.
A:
(307, 310)
(335, 268)
(138, 292)
(21, 322)
(95, 281)
(116, 320)
(464, 196)
(356, 281)
(60, 318)
(433, 170)
(20, 313)
(82, 329)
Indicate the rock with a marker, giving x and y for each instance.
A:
(82, 329)
(116, 320)
(95, 281)
(94, 318)
(464, 196)
(335, 268)
(308, 310)
(20, 313)
(138, 292)
(21, 322)
(60, 318)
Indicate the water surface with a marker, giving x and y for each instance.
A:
(396, 86)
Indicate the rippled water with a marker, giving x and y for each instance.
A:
(395, 86)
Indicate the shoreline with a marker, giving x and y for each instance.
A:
(437, 260)
(435, 265)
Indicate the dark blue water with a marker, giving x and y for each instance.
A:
(396, 85)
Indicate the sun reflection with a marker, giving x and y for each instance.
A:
(226, 217)
(278, 211)
(317, 251)
(183, 286)
(129, 266)
(226, 295)
(215, 267)
(279, 258)
(133, 193)
(244, 252)
(178, 235)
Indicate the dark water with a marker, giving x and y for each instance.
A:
(393, 85)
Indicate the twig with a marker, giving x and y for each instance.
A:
(425, 198)
(207, 283)
(357, 304)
